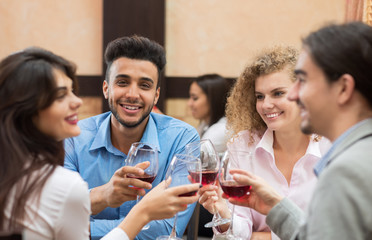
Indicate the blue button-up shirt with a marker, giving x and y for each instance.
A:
(96, 159)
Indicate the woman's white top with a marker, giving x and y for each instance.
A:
(218, 135)
(63, 211)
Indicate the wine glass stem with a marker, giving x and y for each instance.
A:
(218, 216)
(173, 233)
(231, 231)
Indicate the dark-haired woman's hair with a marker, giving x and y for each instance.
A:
(216, 88)
(27, 85)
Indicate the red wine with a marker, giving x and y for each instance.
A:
(232, 189)
(189, 194)
(146, 177)
(208, 177)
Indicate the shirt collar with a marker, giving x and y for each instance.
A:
(267, 141)
(103, 136)
(324, 161)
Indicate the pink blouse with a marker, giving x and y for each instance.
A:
(262, 163)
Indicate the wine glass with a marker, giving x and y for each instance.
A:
(229, 186)
(143, 152)
(184, 169)
(210, 160)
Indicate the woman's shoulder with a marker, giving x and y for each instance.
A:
(244, 139)
(323, 143)
(64, 181)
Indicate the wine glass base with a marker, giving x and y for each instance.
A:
(146, 227)
(164, 237)
(226, 237)
(217, 222)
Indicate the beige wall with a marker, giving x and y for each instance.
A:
(201, 36)
(70, 28)
(221, 36)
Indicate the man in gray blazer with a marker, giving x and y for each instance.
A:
(334, 93)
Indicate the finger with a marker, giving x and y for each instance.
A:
(205, 197)
(243, 179)
(160, 187)
(188, 200)
(209, 188)
(143, 165)
(185, 189)
(132, 192)
(122, 172)
(133, 182)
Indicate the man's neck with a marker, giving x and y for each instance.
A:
(347, 119)
(122, 137)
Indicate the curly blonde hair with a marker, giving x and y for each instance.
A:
(241, 110)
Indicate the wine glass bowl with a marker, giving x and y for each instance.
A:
(143, 152)
(183, 170)
(210, 161)
(229, 186)
(139, 153)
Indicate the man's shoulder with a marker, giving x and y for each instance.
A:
(164, 122)
(93, 123)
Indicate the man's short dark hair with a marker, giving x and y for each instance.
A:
(135, 47)
(344, 49)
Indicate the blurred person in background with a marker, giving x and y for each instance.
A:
(207, 102)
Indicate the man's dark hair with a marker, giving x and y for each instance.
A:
(135, 47)
(344, 49)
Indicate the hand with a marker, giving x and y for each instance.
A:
(162, 202)
(262, 197)
(119, 189)
(261, 236)
(211, 199)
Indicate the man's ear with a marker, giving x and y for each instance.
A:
(347, 86)
(157, 94)
(105, 89)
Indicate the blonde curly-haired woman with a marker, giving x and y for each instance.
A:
(266, 124)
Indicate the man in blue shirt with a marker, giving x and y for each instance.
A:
(134, 66)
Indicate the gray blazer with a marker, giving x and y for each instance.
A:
(341, 206)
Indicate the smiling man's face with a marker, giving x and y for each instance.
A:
(315, 96)
(131, 90)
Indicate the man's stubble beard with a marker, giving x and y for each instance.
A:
(122, 122)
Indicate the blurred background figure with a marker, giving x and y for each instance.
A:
(207, 102)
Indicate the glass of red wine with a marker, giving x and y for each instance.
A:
(184, 169)
(210, 161)
(229, 186)
(143, 152)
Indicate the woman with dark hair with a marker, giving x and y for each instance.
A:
(207, 102)
(38, 109)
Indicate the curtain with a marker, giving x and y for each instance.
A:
(354, 10)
